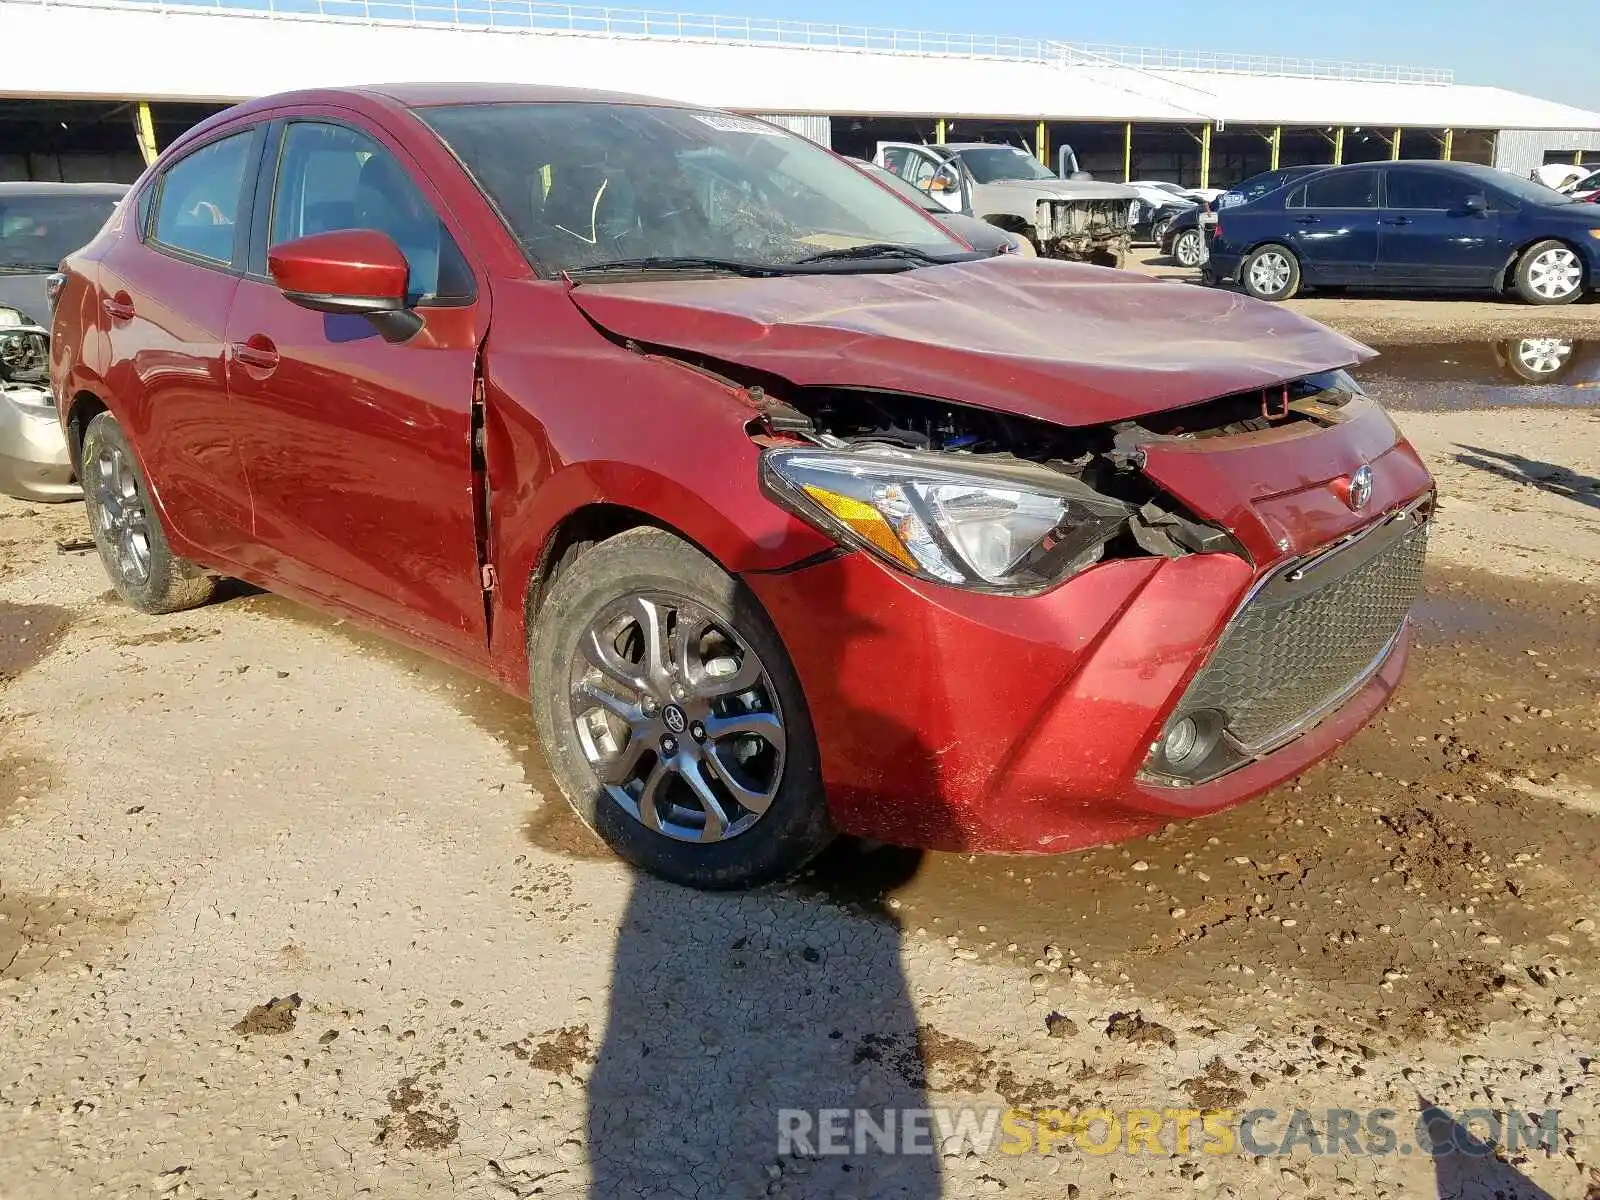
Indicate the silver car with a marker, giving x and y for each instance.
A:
(40, 224)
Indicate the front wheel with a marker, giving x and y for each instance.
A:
(1271, 273)
(128, 532)
(672, 718)
(1549, 272)
(1158, 231)
(1189, 248)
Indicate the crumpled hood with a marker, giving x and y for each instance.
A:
(1072, 344)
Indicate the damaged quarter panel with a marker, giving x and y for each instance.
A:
(575, 419)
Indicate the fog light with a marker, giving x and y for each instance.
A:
(1182, 736)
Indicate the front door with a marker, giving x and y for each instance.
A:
(359, 451)
(924, 170)
(1332, 226)
(1427, 234)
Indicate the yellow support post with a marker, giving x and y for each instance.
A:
(1127, 151)
(1449, 143)
(1277, 146)
(938, 133)
(1205, 155)
(144, 132)
(1394, 146)
(1577, 158)
(1338, 145)
(1041, 143)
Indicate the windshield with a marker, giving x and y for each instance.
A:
(39, 231)
(993, 164)
(585, 185)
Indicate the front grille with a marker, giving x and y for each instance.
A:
(1312, 633)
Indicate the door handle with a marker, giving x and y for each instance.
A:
(118, 307)
(258, 352)
(1308, 220)
(1396, 221)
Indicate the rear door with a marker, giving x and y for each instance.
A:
(166, 288)
(359, 451)
(1428, 237)
(1331, 223)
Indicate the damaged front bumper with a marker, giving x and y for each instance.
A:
(960, 721)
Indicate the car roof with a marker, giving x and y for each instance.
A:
(432, 95)
(41, 188)
(977, 146)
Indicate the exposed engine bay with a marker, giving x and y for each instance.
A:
(24, 354)
(1092, 231)
(1102, 463)
(25, 364)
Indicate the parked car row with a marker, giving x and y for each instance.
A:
(788, 512)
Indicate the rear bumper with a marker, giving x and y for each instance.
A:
(34, 462)
(956, 721)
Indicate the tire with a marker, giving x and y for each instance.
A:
(1158, 231)
(650, 806)
(1537, 360)
(1549, 272)
(127, 529)
(1270, 272)
(1189, 248)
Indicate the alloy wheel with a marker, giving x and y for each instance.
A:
(1270, 273)
(1555, 274)
(118, 513)
(1187, 250)
(677, 717)
(1543, 356)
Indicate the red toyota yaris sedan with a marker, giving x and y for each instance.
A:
(790, 513)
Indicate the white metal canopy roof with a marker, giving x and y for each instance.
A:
(218, 50)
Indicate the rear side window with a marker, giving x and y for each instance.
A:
(197, 208)
(1427, 189)
(332, 177)
(1347, 189)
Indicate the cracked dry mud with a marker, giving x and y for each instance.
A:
(285, 910)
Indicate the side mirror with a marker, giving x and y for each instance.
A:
(1477, 206)
(353, 271)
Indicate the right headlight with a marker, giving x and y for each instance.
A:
(1000, 527)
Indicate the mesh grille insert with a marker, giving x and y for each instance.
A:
(1299, 645)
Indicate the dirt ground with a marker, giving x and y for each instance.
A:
(286, 911)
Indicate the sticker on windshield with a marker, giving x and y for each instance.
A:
(729, 124)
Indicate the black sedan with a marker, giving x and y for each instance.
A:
(1411, 225)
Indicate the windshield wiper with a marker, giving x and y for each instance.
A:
(885, 250)
(674, 263)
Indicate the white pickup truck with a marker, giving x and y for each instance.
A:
(1078, 219)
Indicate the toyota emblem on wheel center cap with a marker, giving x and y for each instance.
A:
(1360, 489)
(673, 716)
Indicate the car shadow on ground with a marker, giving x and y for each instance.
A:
(1464, 1165)
(1547, 477)
(735, 1019)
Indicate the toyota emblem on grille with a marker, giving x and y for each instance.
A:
(1360, 489)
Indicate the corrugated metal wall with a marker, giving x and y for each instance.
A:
(818, 129)
(1521, 150)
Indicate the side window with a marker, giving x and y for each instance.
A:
(198, 203)
(1346, 189)
(1427, 189)
(331, 177)
(1296, 198)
